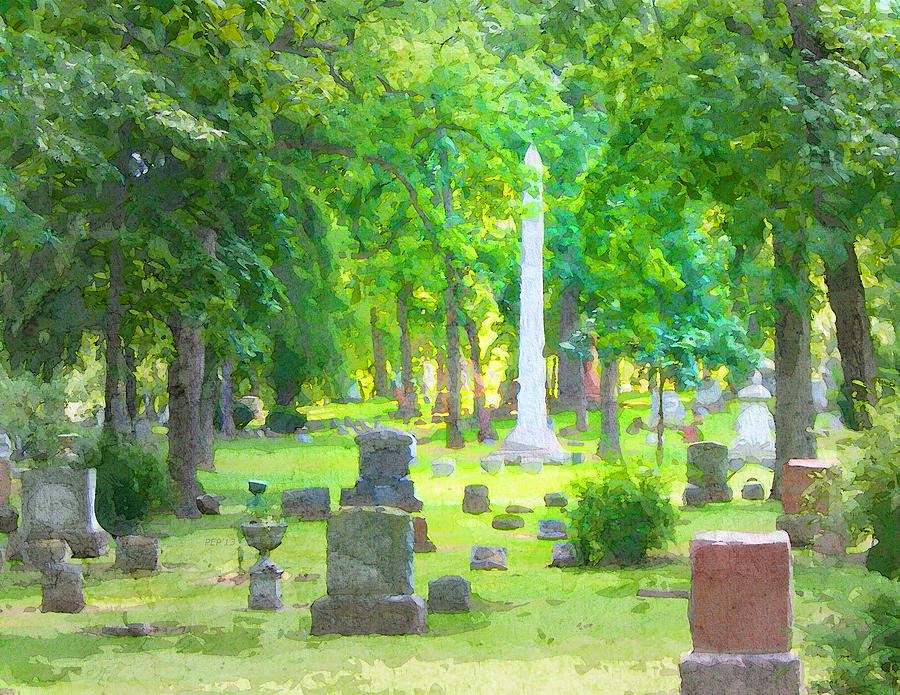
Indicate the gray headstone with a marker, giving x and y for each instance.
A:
(9, 519)
(385, 456)
(61, 588)
(37, 553)
(491, 464)
(819, 396)
(555, 499)
(531, 464)
(564, 555)
(487, 557)
(450, 594)
(518, 509)
(753, 491)
(142, 430)
(137, 553)
(441, 468)
(303, 438)
(208, 504)
(707, 464)
(309, 503)
(129, 630)
(507, 522)
(369, 552)
(551, 530)
(753, 439)
(748, 674)
(475, 499)
(58, 502)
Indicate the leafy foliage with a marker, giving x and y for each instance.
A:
(874, 502)
(862, 642)
(131, 481)
(621, 516)
(284, 419)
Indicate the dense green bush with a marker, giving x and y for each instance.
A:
(872, 503)
(131, 480)
(240, 413)
(284, 420)
(862, 641)
(621, 516)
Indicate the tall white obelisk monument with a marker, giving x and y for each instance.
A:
(531, 434)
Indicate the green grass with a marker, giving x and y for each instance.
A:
(533, 629)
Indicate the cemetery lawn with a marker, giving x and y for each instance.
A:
(532, 629)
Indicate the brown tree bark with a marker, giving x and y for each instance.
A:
(209, 389)
(794, 437)
(407, 404)
(379, 360)
(660, 423)
(454, 435)
(847, 299)
(484, 422)
(130, 385)
(184, 385)
(609, 409)
(226, 400)
(569, 370)
(581, 423)
(845, 290)
(115, 418)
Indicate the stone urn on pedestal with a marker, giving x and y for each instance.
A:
(265, 575)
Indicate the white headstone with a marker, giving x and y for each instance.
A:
(531, 432)
(753, 438)
(673, 409)
(819, 396)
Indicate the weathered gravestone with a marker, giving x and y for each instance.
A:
(369, 575)
(208, 505)
(308, 503)
(421, 542)
(507, 522)
(441, 468)
(753, 490)
(487, 557)
(385, 456)
(807, 493)
(475, 499)
(61, 588)
(740, 615)
(5, 453)
(551, 530)
(672, 409)
(555, 499)
(37, 553)
(709, 397)
(564, 555)
(450, 594)
(707, 474)
(137, 553)
(9, 519)
(58, 502)
(753, 441)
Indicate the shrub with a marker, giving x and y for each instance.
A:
(240, 413)
(284, 420)
(621, 516)
(131, 480)
(862, 641)
(873, 502)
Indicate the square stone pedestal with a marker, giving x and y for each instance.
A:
(740, 674)
(361, 615)
(265, 587)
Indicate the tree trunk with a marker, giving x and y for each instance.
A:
(184, 386)
(226, 401)
(660, 423)
(130, 386)
(209, 389)
(569, 371)
(407, 405)
(581, 423)
(115, 418)
(793, 399)
(609, 409)
(379, 361)
(845, 291)
(454, 435)
(484, 421)
(847, 299)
